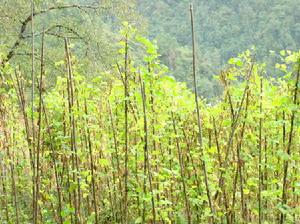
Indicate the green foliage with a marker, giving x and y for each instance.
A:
(244, 124)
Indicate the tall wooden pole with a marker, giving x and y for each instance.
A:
(34, 203)
(200, 138)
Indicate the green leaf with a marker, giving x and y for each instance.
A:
(138, 220)
(103, 162)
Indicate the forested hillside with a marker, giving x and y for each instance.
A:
(225, 29)
(154, 112)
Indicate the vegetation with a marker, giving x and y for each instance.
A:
(227, 28)
(130, 144)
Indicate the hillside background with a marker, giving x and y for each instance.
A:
(224, 29)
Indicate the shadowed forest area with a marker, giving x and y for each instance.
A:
(167, 111)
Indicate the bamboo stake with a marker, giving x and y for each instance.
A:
(289, 144)
(180, 159)
(146, 156)
(198, 117)
(114, 132)
(92, 166)
(37, 177)
(4, 191)
(34, 203)
(12, 169)
(260, 156)
(75, 165)
(126, 95)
